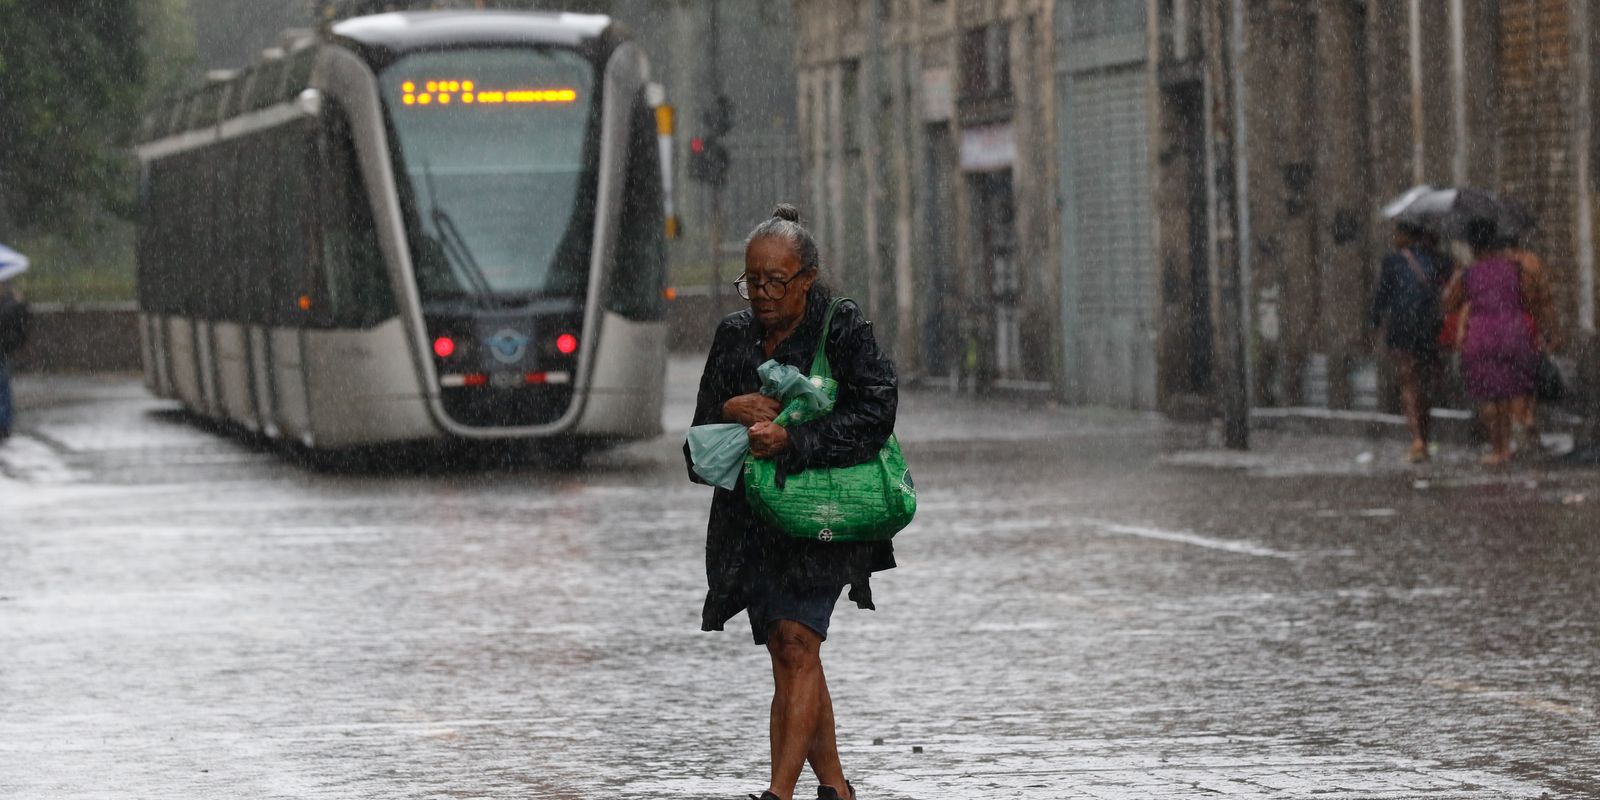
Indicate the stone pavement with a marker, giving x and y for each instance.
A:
(1091, 605)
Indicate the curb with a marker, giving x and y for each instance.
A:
(1450, 425)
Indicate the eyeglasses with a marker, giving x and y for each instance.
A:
(774, 289)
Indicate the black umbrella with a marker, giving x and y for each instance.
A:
(1510, 219)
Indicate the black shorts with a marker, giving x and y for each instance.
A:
(809, 606)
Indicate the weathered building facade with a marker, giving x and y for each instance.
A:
(1329, 109)
(1025, 192)
(979, 175)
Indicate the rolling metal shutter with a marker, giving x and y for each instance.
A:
(1109, 277)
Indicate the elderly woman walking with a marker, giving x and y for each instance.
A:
(788, 585)
(1498, 352)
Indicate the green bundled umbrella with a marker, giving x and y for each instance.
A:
(868, 502)
(717, 451)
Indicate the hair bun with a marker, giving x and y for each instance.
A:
(785, 211)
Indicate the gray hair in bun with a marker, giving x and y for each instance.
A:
(785, 224)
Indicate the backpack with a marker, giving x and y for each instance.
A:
(14, 322)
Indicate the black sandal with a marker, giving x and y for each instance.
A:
(830, 793)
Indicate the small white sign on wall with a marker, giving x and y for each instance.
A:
(988, 148)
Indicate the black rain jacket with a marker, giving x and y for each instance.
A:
(742, 552)
(1410, 305)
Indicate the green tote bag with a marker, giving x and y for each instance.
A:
(868, 502)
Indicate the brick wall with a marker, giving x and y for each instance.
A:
(1536, 119)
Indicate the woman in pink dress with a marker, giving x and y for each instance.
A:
(1498, 353)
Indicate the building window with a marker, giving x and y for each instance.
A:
(985, 61)
(1093, 19)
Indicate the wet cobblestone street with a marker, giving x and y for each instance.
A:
(1090, 605)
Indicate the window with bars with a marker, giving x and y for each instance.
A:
(985, 61)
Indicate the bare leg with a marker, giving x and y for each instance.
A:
(1524, 429)
(824, 753)
(1522, 411)
(800, 695)
(1497, 419)
(1414, 401)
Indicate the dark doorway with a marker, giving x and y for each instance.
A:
(1194, 374)
(999, 316)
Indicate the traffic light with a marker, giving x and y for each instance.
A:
(708, 156)
(708, 160)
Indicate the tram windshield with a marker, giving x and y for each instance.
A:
(491, 145)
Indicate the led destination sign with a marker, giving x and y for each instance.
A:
(446, 93)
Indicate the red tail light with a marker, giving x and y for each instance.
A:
(444, 347)
(476, 379)
(566, 344)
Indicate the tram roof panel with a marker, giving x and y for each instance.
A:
(386, 37)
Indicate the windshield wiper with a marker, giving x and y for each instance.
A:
(455, 245)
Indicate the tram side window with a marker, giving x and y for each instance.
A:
(224, 262)
(635, 289)
(188, 255)
(253, 185)
(207, 272)
(359, 292)
(205, 268)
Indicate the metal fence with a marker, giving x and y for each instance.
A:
(765, 171)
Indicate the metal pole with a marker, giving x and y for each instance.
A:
(1241, 153)
(714, 224)
(1232, 394)
(1419, 169)
(1458, 91)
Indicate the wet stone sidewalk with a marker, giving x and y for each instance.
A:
(1091, 605)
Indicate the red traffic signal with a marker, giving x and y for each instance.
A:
(708, 160)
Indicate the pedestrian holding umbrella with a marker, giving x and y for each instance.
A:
(13, 329)
(1406, 306)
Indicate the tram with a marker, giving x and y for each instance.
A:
(412, 226)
